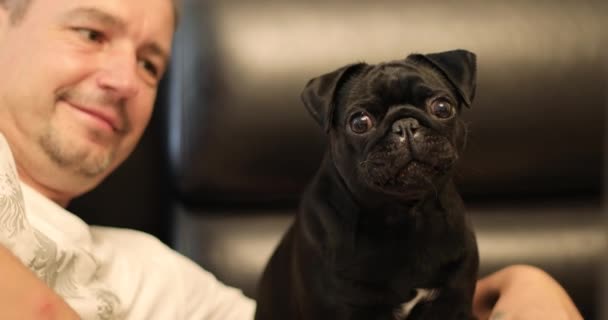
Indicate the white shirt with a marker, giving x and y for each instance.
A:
(107, 273)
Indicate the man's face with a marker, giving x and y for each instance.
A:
(77, 86)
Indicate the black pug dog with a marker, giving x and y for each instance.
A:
(382, 233)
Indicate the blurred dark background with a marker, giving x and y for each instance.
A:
(230, 147)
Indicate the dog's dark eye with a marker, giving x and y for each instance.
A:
(361, 122)
(442, 109)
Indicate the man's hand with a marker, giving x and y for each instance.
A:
(24, 296)
(522, 293)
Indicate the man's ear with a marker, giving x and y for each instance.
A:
(319, 95)
(458, 67)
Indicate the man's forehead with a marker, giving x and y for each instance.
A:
(106, 18)
(132, 11)
(150, 20)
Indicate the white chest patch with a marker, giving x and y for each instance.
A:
(422, 295)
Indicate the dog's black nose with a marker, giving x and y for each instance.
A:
(405, 127)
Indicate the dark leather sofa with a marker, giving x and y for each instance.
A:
(230, 147)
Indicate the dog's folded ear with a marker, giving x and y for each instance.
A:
(458, 67)
(320, 94)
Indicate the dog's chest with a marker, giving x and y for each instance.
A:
(422, 295)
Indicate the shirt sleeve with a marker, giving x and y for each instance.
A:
(209, 299)
(157, 282)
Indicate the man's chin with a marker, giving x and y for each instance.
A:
(86, 160)
(95, 167)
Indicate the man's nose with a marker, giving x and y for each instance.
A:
(118, 74)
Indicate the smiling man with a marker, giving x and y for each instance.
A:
(77, 86)
(78, 83)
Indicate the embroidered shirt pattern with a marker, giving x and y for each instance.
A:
(70, 272)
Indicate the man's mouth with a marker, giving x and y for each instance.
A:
(105, 117)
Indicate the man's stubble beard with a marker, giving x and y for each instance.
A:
(82, 161)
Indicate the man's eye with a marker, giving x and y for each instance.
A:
(91, 34)
(150, 67)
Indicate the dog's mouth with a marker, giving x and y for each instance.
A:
(408, 170)
(414, 173)
(409, 181)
